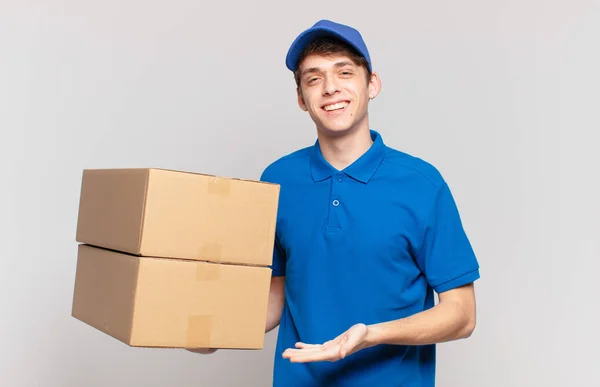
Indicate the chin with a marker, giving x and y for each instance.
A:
(335, 130)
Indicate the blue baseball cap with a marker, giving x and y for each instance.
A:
(326, 28)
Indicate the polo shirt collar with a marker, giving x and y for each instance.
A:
(362, 169)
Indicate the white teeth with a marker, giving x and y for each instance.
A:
(339, 105)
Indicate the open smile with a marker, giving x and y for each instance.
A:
(337, 107)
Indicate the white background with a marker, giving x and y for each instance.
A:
(502, 96)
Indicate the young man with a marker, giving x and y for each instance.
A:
(365, 235)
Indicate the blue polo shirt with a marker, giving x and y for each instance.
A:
(366, 245)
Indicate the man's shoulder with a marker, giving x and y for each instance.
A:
(286, 164)
(403, 162)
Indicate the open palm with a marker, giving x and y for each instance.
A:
(333, 350)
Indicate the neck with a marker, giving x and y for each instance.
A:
(342, 150)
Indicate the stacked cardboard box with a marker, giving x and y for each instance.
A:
(175, 259)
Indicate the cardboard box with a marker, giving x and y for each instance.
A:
(171, 214)
(174, 303)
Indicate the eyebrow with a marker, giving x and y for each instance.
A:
(317, 69)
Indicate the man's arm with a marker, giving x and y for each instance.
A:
(276, 301)
(453, 318)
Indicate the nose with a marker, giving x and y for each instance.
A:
(330, 87)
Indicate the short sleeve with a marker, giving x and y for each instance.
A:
(278, 266)
(446, 256)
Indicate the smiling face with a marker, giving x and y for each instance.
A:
(335, 91)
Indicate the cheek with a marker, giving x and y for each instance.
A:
(309, 102)
(313, 105)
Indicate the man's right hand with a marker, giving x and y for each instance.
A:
(204, 351)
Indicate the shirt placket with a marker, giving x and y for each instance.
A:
(335, 204)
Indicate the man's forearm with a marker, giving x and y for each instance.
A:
(446, 321)
(276, 301)
(272, 322)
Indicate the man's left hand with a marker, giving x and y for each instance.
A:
(349, 342)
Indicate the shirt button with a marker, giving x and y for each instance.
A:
(340, 179)
(336, 203)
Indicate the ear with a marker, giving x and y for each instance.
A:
(301, 102)
(374, 85)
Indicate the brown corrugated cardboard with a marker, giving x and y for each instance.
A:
(173, 214)
(172, 303)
